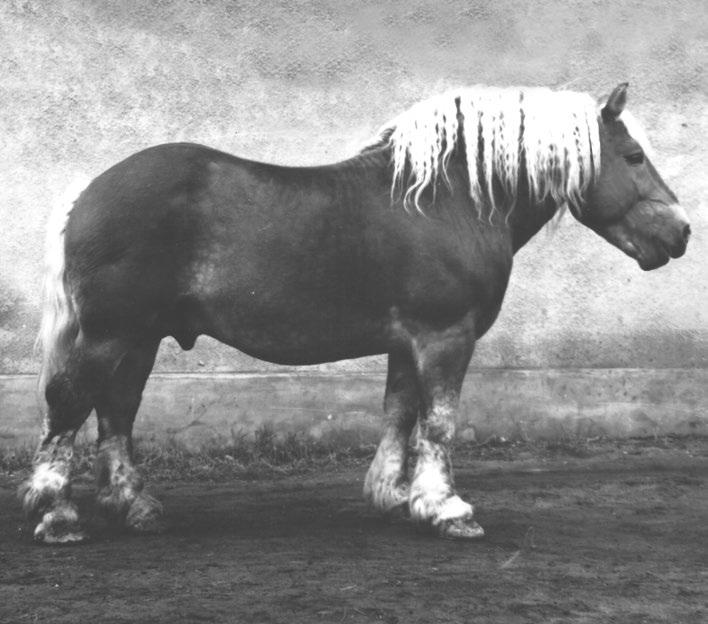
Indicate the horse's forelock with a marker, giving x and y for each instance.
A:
(555, 132)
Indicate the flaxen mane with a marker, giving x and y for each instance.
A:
(556, 133)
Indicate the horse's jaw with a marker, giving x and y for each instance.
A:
(650, 232)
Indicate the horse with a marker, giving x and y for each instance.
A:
(404, 249)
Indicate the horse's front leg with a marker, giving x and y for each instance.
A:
(386, 485)
(441, 360)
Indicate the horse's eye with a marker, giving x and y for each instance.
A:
(637, 158)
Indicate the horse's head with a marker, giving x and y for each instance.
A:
(629, 204)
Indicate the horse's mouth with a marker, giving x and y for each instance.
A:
(651, 256)
(661, 252)
(651, 234)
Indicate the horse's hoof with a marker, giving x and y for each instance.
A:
(145, 515)
(460, 528)
(58, 527)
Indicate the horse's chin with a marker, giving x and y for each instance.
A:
(652, 263)
(649, 255)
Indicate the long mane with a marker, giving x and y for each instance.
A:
(554, 133)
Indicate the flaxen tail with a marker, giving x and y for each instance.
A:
(59, 326)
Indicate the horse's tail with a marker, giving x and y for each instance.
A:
(59, 326)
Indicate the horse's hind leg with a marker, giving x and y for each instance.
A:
(386, 484)
(120, 486)
(70, 393)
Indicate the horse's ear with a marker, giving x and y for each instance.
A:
(615, 103)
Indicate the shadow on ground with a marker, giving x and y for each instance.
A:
(614, 534)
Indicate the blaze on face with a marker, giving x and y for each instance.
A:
(629, 204)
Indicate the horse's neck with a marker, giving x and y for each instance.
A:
(528, 217)
(524, 221)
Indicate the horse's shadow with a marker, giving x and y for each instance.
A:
(234, 515)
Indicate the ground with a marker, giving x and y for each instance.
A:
(604, 532)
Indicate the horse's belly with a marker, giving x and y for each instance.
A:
(295, 332)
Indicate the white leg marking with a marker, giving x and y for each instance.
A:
(122, 496)
(122, 488)
(45, 496)
(433, 500)
(48, 484)
(431, 484)
(47, 479)
(454, 508)
(60, 526)
(385, 486)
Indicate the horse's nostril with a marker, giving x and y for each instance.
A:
(686, 232)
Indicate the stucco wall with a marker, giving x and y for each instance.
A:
(86, 83)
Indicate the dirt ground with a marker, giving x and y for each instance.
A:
(618, 534)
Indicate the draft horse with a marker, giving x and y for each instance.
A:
(404, 249)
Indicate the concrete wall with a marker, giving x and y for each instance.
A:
(196, 410)
(85, 83)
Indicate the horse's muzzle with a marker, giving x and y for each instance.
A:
(660, 232)
(679, 248)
